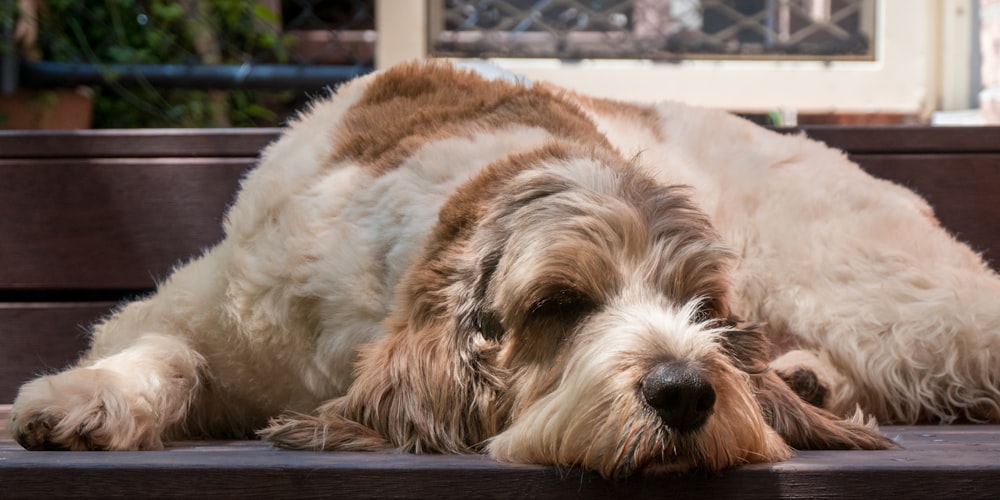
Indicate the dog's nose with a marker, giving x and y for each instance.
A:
(680, 395)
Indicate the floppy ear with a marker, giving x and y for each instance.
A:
(431, 390)
(801, 425)
(326, 429)
(804, 426)
(432, 383)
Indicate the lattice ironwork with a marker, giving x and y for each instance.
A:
(654, 29)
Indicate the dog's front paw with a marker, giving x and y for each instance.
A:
(34, 431)
(81, 409)
(814, 379)
(806, 384)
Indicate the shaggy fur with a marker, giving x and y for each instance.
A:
(438, 263)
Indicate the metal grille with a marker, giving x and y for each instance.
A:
(654, 29)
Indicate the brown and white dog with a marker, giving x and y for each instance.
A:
(441, 263)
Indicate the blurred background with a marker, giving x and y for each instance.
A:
(236, 63)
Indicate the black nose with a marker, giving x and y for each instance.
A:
(680, 395)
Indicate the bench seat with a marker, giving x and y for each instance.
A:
(961, 461)
(90, 218)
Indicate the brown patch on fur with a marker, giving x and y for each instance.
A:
(457, 218)
(466, 206)
(410, 105)
(635, 113)
(396, 401)
(324, 431)
(748, 348)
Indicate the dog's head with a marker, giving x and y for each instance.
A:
(569, 310)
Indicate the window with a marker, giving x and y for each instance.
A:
(654, 29)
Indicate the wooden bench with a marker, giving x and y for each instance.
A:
(90, 218)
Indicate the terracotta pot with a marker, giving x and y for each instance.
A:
(47, 109)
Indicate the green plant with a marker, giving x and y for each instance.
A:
(165, 32)
(8, 15)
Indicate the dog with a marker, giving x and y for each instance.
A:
(437, 262)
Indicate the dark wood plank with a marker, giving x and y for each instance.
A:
(135, 143)
(961, 188)
(248, 142)
(935, 461)
(908, 139)
(120, 223)
(42, 337)
(70, 224)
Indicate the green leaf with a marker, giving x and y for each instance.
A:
(264, 13)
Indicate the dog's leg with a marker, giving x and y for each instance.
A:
(139, 377)
(120, 402)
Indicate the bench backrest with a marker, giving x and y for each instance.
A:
(89, 218)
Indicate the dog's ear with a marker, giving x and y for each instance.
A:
(426, 390)
(747, 346)
(326, 429)
(805, 427)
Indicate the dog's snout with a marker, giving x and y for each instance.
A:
(681, 396)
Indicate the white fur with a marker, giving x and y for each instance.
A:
(855, 268)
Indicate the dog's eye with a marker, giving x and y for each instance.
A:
(488, 325)
(704, 314)
(565, 307)
(708, 312)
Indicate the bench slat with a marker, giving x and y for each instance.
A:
(135, 143)
(962, 189)
(908, 140)
(961, 461)
(248, 142)
(124, 223)
(73, 224)
(42, 337)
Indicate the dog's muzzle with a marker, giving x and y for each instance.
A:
(680, 395)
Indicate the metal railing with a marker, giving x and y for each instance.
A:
(164, 58)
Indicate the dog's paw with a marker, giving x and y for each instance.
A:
(806, 384)
(814, 379)
(33, 431)
(81, 409)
